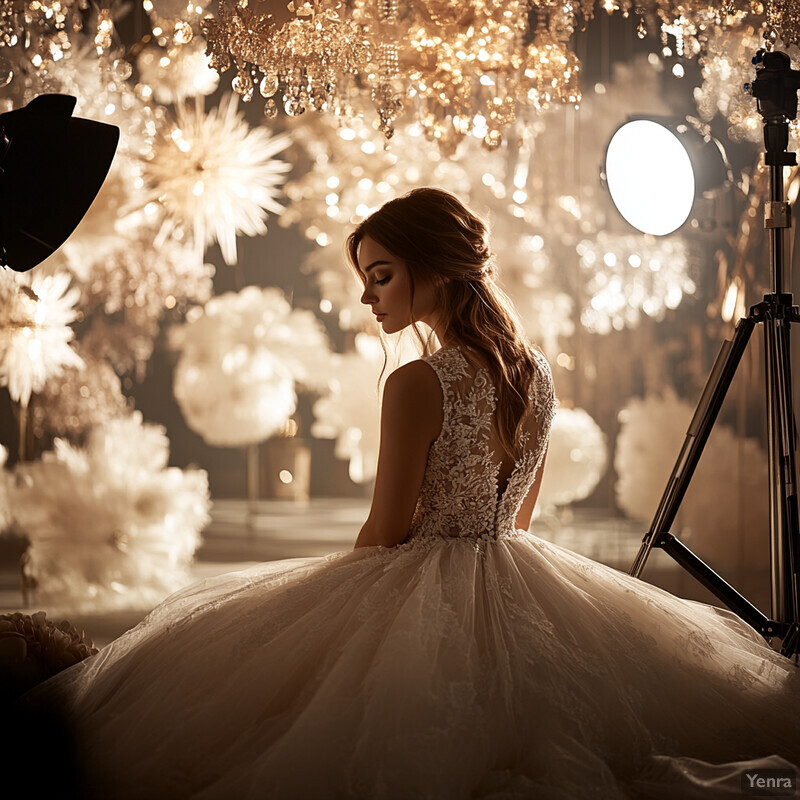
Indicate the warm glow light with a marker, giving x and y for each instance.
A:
(729, 303)
(650, 177)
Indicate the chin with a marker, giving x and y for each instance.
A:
(390, 327)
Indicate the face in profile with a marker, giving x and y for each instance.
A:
(387, 288)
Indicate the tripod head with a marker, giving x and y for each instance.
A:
(775, 89)
(775, 86)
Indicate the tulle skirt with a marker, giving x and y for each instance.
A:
(443, 668)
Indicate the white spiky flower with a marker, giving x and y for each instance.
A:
(35, 317)
(216, 175)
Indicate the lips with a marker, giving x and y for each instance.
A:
(378, 315)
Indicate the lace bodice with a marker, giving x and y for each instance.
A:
(463, 493)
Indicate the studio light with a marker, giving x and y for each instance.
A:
(656, 167)
(51, 168)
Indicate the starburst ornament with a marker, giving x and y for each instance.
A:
(215, 174)
(35, 317)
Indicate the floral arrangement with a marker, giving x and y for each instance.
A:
(242, 356)
(110, 525)
(724, 515)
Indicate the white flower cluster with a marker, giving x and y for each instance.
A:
(240, 358)
(724, 514)
(110, 524)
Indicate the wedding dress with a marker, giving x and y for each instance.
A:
(472, 661)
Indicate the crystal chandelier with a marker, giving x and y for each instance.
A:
(456, 67)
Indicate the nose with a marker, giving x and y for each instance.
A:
(368, 296)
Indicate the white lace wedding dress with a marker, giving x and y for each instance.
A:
(472, 661)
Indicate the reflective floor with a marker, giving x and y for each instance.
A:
(241, 534)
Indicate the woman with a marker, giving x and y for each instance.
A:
(451, 654)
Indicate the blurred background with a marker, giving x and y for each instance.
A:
(190, 383)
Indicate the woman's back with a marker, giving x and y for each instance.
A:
(472, 487)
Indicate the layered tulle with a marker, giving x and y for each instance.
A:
(443, 668)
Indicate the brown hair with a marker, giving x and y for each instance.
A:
(439, 238)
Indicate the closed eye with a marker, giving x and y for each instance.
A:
(382, 281)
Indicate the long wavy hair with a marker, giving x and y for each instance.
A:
(443, 242)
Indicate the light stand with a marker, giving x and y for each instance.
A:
(775, 87)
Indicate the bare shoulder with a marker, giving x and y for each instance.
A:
(417, 375)
(413, 392)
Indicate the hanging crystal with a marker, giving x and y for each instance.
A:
(270, 108)
(243, 84)
(269, 85)
(386, 95)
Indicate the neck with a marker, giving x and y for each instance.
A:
(452, 342)
(440, 330)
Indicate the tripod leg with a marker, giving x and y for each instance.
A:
(705, 415)
(784, 524)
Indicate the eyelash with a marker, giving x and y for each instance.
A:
(382, 281)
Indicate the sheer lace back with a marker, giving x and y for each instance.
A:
(471, 487)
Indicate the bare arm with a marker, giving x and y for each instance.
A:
(523, 520)
(411, 418)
